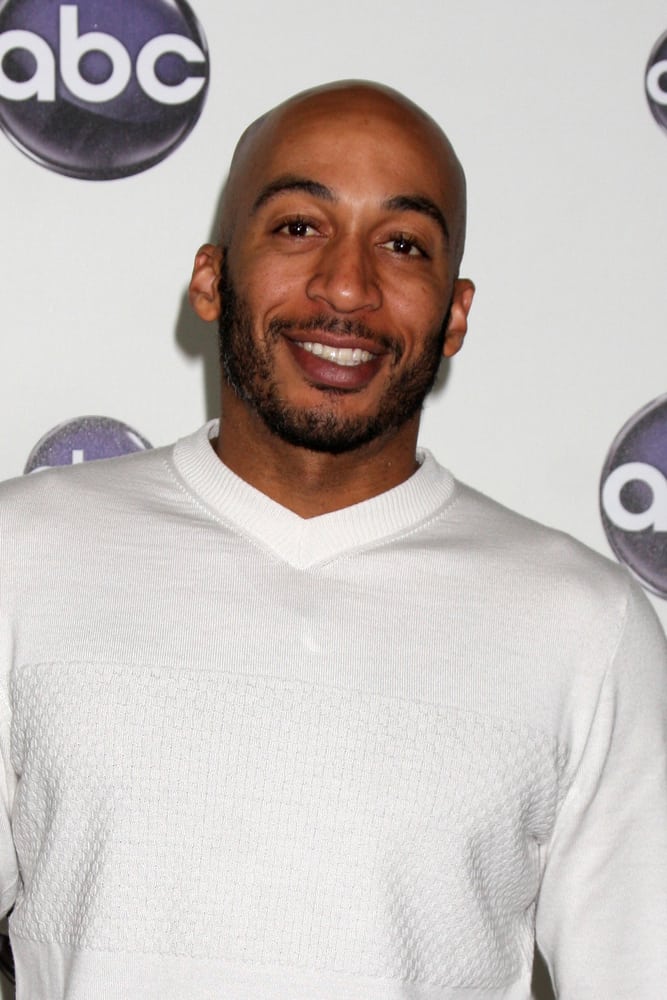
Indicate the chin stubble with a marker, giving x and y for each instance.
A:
(248, 370)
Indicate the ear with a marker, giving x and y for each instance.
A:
(457, 327)
(203, 293)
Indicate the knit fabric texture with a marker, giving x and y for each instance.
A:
(367, 755)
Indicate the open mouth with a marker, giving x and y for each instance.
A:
(348, 357)
(335, 367)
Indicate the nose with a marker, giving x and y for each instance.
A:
(345, 277)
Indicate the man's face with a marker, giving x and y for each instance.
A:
(337, 283)
(249, 370)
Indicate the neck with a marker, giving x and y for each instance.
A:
(307, 482)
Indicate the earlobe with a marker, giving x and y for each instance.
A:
(203, 292)
(464, 291)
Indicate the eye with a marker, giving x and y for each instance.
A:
(404, 246)
(297, 228)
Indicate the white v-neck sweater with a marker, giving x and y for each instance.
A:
(365, 756)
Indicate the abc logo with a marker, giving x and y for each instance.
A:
(633, 495)
(656, 81)
(84, 439)
(99, 90)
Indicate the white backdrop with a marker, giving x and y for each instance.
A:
(567, 238)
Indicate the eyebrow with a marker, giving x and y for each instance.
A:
(419, 203)
(292, 183)
(397, 203)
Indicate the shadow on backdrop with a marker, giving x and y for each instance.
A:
(541, 984)
(197, 339)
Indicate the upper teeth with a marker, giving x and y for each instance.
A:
(339, 355)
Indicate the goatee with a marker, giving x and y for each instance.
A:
(248, 369)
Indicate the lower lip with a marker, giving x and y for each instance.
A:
(328, 375)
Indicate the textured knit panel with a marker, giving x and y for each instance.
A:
(56, 971)
(174, 813)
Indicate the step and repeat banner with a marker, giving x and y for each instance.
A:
(117, 124)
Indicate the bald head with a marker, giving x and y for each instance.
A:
(334, 118)
(336, 283)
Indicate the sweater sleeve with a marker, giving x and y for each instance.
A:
(602, 910)
(8, 863)
(9, 876)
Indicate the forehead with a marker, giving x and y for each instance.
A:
(362, 148)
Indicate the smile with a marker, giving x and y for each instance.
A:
(348, 357)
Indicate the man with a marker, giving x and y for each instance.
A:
(287, 711)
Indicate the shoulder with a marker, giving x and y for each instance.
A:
(101, 476)
(564, 602)
(538, 564)
(69, 498)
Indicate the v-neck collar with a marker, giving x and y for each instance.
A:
(305, 542)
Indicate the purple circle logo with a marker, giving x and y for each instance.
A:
(84, 439)
(656, 81)
(99, 90)
(633, 495)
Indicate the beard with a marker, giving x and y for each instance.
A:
(248, 369)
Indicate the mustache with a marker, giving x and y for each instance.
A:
(335, 324)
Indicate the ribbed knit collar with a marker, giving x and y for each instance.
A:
(302, 541)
